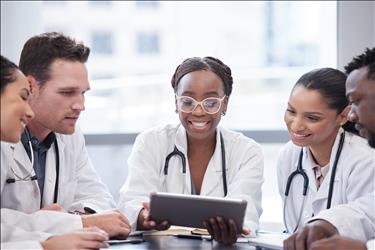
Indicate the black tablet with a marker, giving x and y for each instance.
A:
(192, 210)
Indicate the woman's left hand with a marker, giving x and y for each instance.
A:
(224, 232)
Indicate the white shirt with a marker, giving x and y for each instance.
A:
(244, 167)
(354, 178)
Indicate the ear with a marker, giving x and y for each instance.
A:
(225, 104)
(343, 116)
(175, 104)
(34, 86)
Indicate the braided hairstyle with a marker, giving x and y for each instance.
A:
(206, 63)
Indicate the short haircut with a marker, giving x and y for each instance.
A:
(366, 59)
(40, 51)
(206, 63)
(8, 69)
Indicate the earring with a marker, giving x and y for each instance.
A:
(223, 113)
(341, 129)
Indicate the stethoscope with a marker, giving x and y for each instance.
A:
(300, 171)
(29, 176)
(178, 153)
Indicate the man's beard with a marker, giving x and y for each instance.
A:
(371, 139)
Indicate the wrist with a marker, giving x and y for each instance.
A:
(86, 222)
(328, 228)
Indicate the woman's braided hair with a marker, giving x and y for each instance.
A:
(205, 63)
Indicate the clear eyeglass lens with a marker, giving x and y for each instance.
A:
(210, 105)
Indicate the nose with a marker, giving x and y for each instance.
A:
(199, 110)
(352, 115)
(79, 103)
(297, 124)
(29, 112)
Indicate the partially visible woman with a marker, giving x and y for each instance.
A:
(324, 148)
(15, 114)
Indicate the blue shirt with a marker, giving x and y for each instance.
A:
(40, 154)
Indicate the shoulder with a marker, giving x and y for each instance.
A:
(289, 152)
(239, 140)
(158, 133)
(357, 143)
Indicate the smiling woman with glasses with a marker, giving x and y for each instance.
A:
(196, 156)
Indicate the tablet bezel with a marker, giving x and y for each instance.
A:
(192, 210)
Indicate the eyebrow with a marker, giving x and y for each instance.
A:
(72, 88)
(308, 113)
(206, 94)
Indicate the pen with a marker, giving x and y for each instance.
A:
(194, 236)
(89, 210)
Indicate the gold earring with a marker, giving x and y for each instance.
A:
(341, 129)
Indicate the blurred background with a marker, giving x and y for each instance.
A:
(136, 46)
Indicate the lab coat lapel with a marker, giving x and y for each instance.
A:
(213, 176)
(49, 183)
(306, 165)
(322, 193)
(175, 164)
(23, 160)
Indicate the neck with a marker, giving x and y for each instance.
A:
(322, 152)
(202, 143)
(39, 131)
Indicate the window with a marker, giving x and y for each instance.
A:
(102, 43)
(267, 44)
(148, 43)
(147, 4)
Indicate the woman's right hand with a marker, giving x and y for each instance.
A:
(146, 223)
(87, 238)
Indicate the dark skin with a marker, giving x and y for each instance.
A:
(313, 231)
(202, 142)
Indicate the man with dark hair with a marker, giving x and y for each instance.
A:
(348, 226)
(49, 169)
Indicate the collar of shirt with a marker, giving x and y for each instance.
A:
(37, 146)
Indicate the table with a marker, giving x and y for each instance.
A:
(171, 242)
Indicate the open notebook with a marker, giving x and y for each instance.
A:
(271, 240)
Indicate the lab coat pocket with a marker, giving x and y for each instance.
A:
(21, 195)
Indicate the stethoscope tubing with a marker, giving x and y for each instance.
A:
(300, 171)
(178, 153)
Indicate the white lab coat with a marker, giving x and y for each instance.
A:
(79, 186)
(354, 178)
(355, 219)
(15, 237)
(244, 164)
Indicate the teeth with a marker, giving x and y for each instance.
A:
(299, 136)
(199, 124)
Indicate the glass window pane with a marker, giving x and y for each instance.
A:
(267, 44)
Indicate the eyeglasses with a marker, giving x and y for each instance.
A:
(210, 105)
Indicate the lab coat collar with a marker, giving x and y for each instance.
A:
(213, 175)
(49, 183)
(322, 193)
